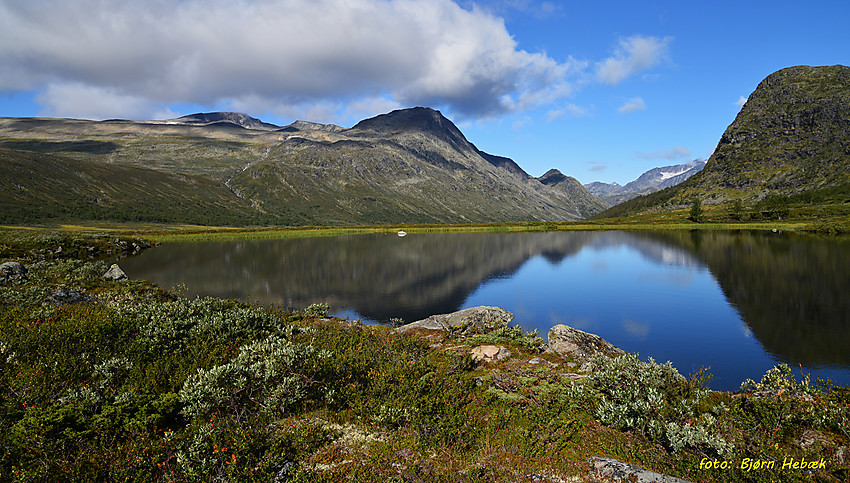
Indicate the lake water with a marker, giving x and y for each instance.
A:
(737, 302)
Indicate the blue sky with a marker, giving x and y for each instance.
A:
(599, 90)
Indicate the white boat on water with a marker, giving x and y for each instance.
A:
(402, 233)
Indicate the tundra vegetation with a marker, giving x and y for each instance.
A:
(131, 382)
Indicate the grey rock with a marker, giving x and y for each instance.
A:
(489, 353)
(810, 437)
(567, 341)
(12, 271)
(285, 470)
(115, 273)
(474, 320)
(611, 470)
(66, 296)
(842, 455)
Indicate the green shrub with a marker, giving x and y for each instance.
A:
(271, 375)
(655, 400)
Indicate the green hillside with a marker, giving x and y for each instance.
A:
(789, 144)
(408, 166)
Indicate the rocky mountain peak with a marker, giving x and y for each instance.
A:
(416, 119)
(311, 126)
(236, 118)
(553, 176)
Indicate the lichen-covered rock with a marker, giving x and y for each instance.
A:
(567, 341)
(489, 353)
(66, 296)
(12, 271)
(474, 320)
(611, 470)
(115, 273)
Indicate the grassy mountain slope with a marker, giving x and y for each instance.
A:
(408, 166)
(43, 186)
(791, 138)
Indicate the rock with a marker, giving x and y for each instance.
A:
(489, 353)
(115, 273)
(474, 320)
(567, 341)
(284, 471)
(611, 470)
(842, 455)
(810, 437)
(12, 271)
(66, 296)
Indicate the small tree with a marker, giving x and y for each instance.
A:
(736, 209)
(696, 210)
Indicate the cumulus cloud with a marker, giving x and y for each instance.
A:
(741, 101)
(633, 55)
(633, 104)
(295, 56)
(671, 154)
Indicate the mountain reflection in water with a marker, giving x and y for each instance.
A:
(739, 302)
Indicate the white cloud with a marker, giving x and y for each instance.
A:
(741, 101)
(91, 102)
(634, 54)
(519, 124)
(633, 104)
(671, 154)
(570, 110)
(298, 56)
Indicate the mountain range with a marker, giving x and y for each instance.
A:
(651, 181)
(791, 138)
(407, 166)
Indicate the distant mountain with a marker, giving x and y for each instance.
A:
(587, 205)
(407, 166)
(649, 182)
(791, 137)
(222, 119)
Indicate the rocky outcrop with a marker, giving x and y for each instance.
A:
(12, 272)
(115, 273)
(474, 320)
(577, 344)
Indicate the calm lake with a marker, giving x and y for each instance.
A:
(737, 302)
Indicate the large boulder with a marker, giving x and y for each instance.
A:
(578, 344)
(474, 320)
(12, 272)
(115, 273)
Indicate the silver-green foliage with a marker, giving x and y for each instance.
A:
(168, 326)
(317, 310)
(653, 399)
(776, 381)
(271, 375)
